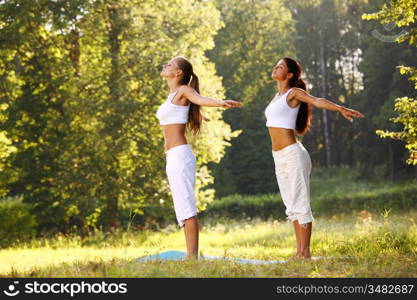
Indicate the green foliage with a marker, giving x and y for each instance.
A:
(403, 14)
(358, 74)
(17, 223)
(379, 199)
(252, 41)
(6, 149)
(152, 217)
(327, 202)
(407, 115)
(245, 207)
(329, 33)
(81, 85)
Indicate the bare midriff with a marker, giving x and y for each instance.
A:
(174, 135)
(281, 137)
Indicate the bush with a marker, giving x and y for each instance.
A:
(151, 217)
(383, 198)
(246, 206)
(17, 224)
(379, 198)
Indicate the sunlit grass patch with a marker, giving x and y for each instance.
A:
(363, 244)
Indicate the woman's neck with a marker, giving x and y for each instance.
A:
(173, 85)
(283, 87)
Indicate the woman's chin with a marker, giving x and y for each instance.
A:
(165, 75)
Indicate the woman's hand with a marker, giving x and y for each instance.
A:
(349, 114)
(230, 104)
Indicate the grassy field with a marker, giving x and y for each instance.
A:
(359, 245)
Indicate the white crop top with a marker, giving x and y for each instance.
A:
(170, 113)
(279, 114)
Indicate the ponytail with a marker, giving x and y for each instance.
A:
(189, 78)
(194, 114)
(300, 84)
(305, 112)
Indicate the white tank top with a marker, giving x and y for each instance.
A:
(279, 114)
(170, 113)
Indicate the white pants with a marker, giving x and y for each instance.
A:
(180, 168)
(293, 168)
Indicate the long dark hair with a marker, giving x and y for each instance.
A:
(190, 78)
(305, 113)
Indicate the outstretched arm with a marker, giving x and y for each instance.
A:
(193, 96)
(323, 103)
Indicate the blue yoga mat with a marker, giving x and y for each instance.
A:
(179, 255)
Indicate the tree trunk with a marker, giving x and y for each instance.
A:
(324, 95)
(115, 88)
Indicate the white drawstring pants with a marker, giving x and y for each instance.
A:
(293, 168)
(181, 169)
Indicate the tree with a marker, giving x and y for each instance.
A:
(329, 33)
(402, 13)
(6, 149)
(251, 42)
(82, 88)
(381, 85)
(33, 91)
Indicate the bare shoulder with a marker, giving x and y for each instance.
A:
(295, 93)
(186, 90)
(298, 91)
(188, 93)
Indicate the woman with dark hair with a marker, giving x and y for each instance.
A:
(290, 112)
(180, 110)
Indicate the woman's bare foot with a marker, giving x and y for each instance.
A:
(192, 257)
(302, 255)
(294, 257)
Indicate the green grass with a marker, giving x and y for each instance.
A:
(358, 245)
